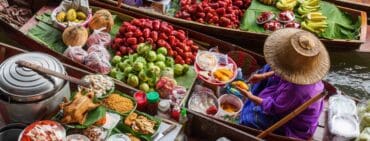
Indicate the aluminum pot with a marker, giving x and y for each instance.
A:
(27, 96)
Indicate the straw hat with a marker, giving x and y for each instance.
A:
(297, 56)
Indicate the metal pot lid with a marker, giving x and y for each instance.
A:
(21, 84)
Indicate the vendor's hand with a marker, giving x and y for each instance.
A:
(244, 91)
(255, 78)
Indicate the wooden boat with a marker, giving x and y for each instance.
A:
(195, 124)
(363, 5)
(253, 39)
(205, 41)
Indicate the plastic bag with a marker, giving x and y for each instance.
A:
(343, 120)
(77, 54)
(99, 37)
(165, 86)
(98, 63)
(99, 49)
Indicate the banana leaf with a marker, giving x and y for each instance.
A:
(340, 24)
(95, 115)
(126, 129)
(187, 79)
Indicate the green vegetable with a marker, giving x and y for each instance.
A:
(162, 50)
(169, 61)
(151, 56)
(116, 60)
(161, 57)
(143, 48)
(128, 70)
(138, 66)
(123, 65)
(133, 80)
(144, 87)
(178, 70)
(160, 64)
(140, 59)
(113, 72)
(154, 71)
(142, 76)
(152, 81)
(150, 64)
(95, 115)
(186, 68)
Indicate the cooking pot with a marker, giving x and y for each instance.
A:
(26, 95)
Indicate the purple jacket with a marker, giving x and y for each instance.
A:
(282, 97)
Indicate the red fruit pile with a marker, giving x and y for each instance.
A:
(159, 34)
(225, 13)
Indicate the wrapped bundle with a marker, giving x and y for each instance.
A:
(99, 49)
(99, 37)
(98, 63)
(77, 54)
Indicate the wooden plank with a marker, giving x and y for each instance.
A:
(366, 46)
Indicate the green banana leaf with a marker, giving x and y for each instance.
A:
(126, 129)
(187, 79)
(340, 24)
(95, 115)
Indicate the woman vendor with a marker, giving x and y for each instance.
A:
(297, 62)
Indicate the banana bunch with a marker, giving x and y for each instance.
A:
(268, 2)
(308, 6)
(314, 22)
(286, 4)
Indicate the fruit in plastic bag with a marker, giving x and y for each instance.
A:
(77, 54)
(98, 63)
(101, 50)
(165, 86)
(99, 37)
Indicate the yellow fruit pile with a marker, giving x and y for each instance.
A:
(286, 4)
(308, 6)
(223, 74)
(314, 22)
(71, 16)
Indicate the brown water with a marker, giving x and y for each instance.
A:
(350, 73)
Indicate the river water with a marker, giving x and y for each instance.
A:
(350, 73)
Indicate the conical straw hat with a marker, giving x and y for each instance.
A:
(297, 56)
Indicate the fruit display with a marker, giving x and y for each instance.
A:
(98, 62)
(158, 34)
(75, 36)
(223, 74)
(314, 22)
(292, 24)
(102, 19)
(224, 13)
(285, 16)
(265, 17)
(308, 6)
(286, 4)
(272, 25)
(143, 69)
(77, 54)
(99, 37)
(268, 2)
(71, 15)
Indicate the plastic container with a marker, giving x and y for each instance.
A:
(153, 101)
(141, 100)
(227, 100)
(119, 137)
(164, 109)
(77, 137)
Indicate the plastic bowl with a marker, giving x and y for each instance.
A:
(231, 99)
(60, 128)
(62, 26)
(201, 102)
(215, 82)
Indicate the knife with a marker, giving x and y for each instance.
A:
(159, 136)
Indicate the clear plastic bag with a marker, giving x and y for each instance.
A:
(343, 120)
(77, 54)
(99, 37)
(98, 63)
(99, 49)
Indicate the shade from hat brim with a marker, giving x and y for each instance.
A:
(289, 64)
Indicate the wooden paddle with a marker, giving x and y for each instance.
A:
(43, 70)
(290, 116)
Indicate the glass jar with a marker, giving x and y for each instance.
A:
(153, 100)
(141, 100)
